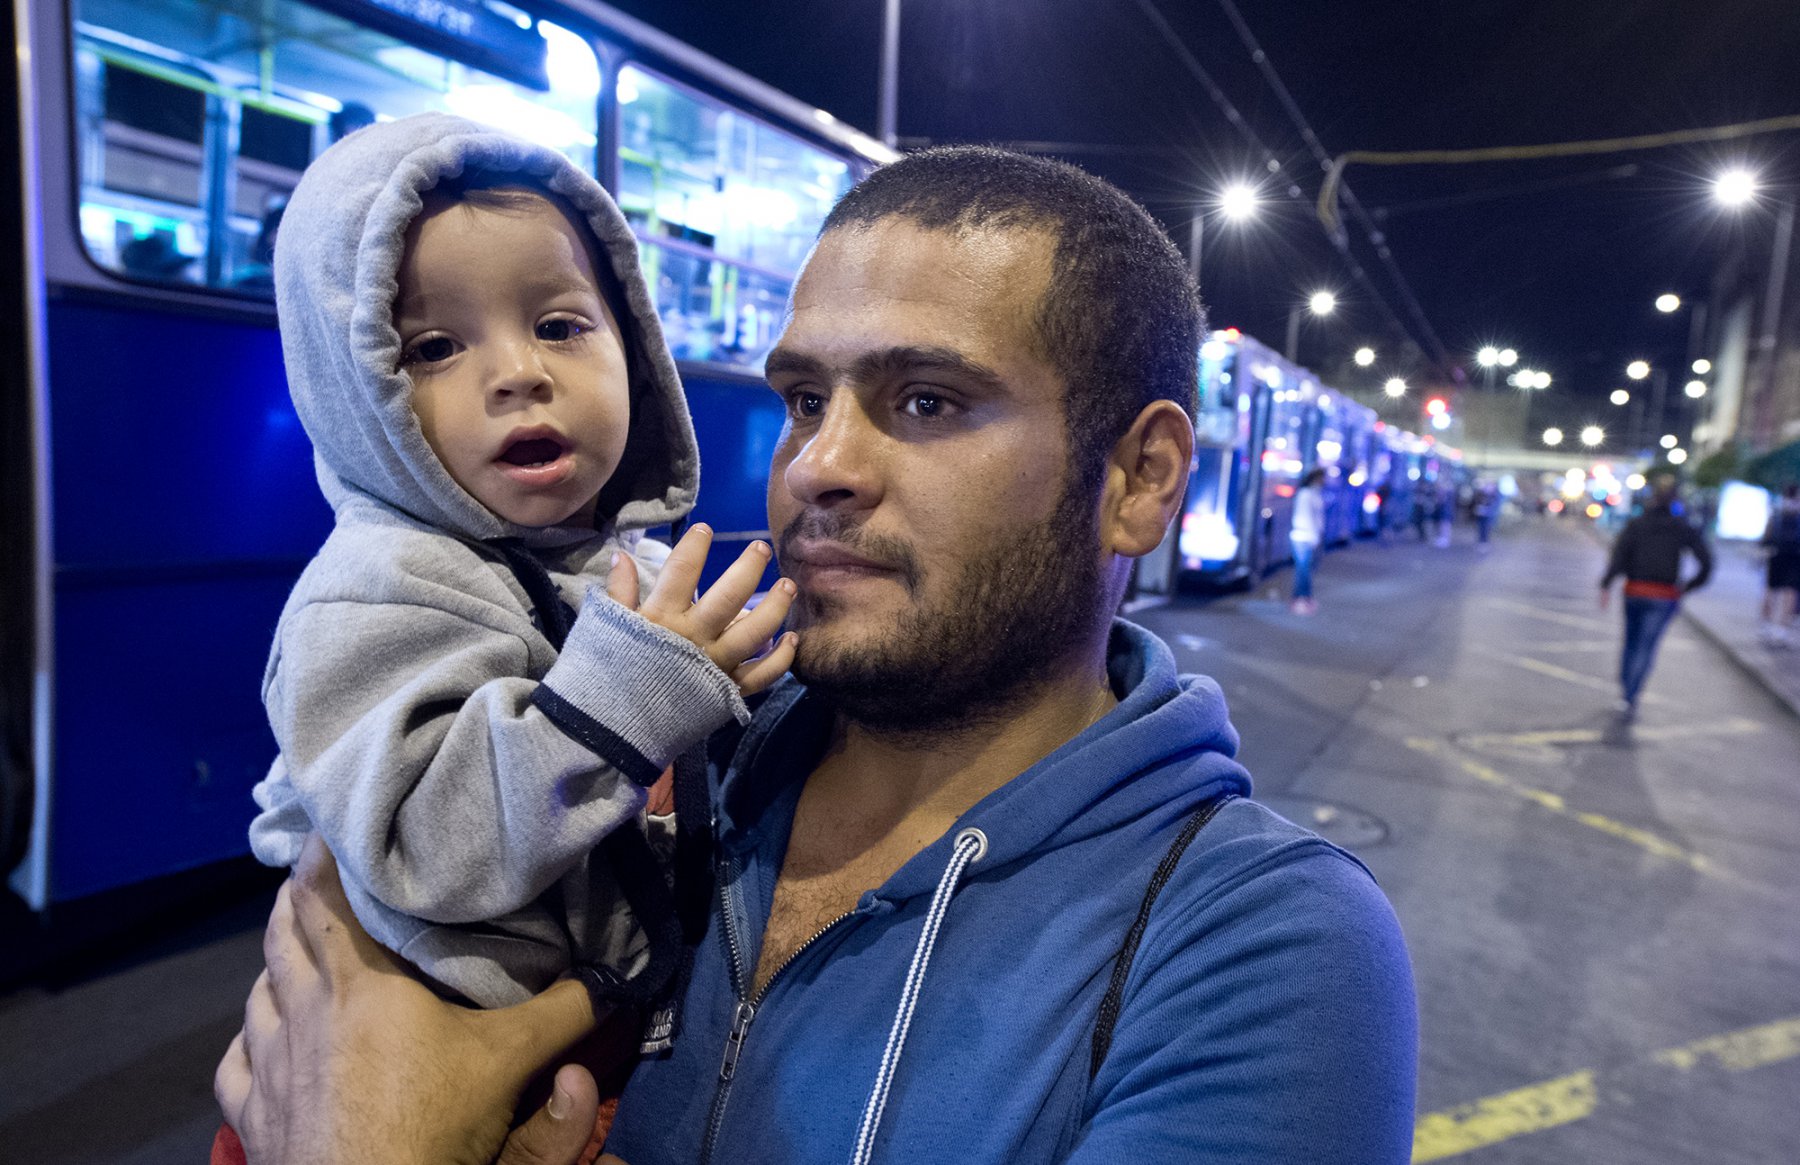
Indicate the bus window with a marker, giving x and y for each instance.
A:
(725, 208)
(196, 117)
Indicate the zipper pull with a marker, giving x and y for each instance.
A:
(734, 1042)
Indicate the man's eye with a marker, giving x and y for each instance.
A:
(924, 404)
(557, 331)
(806, 404)
(429, 351)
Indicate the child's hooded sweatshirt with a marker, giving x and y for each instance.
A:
(463, 768)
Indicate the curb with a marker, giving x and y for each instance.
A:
(1791, 703)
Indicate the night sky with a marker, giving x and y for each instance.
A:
(1560, 260)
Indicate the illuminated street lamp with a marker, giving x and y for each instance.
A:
(1238, 201)
(1668, 302)
(1620, 397)
(1638, 369)
(1553, 436)
(1592, 435)
(1321, 303)
(1508, 357)
(1488, 357)
(1695, 389)
(1395, 387)
(1677, 456)
(1669, 441)
(1365, 357)
(1734, 187)
(1702, 366)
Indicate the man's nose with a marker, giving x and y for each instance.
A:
(838, 463)
(515, 370)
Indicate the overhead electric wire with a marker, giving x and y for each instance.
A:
(1377, 238)
(1334, 176)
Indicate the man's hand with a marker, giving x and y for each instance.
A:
(732, 636)
(346, 1057)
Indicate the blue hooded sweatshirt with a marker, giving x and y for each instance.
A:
(1268, 1015)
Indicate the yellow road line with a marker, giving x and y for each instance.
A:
(1736, 726)
(1562, 673)
(1739, 1051)
(1554, 802)
(1499, 1118)
(1567, 1099)
(1589, 623)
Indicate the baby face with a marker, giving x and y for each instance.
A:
(517, 364)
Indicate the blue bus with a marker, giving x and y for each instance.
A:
(159, 496)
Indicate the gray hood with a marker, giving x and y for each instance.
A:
(336, 265)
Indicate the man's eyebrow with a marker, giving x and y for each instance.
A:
(888, 363)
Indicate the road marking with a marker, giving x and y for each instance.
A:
(1567, 1099)
(1736, 726)
(1554, 802)
(1588, 623)
(1564, 674)
(1568, 646)
(1500, 1118)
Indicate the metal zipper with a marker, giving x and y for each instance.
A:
(745, 1011)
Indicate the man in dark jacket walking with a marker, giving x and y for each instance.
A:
(1648, 553)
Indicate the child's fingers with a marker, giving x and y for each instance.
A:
(753, 628)
(714, 610)
(673, 593)
(622, 581)
(758, 674)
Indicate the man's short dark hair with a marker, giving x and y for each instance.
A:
(1122, 318)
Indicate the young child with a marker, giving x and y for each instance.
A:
(466, 701)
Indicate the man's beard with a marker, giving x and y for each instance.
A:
(1019, 608)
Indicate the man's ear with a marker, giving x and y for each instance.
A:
(1146, 480)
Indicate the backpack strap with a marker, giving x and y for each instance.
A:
(1115, 990)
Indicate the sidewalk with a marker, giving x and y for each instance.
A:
(1727, 611)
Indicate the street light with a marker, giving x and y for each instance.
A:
(1321, 303)
(1508, 357)
(1237, 203)
(1553, 436)
(1592, 435)
(1395, 387)
(1677, 456)
(1695, 389)
(1488, 357)
(1638, 369)
(1735, 187)
(1365, 357)
(1620, 397)
(1702, 366)
(1669, 441)
(1668, 302)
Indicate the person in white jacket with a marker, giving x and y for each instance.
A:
(1304, 533)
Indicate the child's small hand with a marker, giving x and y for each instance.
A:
(716, 622)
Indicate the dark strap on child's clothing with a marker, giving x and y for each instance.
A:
(1115, 990)
(553, 616)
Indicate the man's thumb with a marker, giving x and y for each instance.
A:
(557, 1133)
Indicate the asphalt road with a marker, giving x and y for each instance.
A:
(1602, 919)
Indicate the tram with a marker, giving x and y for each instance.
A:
(1263, 423)
(159, 497)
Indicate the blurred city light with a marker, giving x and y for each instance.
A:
(1734, 187)
(1553, 436)
(1238, 201)
(1668, 302)
(1635, 481)
(1669, 441)
(1508, 357)
(1638, 369)
(1594, 510)
(1322, 303)
(1540, 379)
(1620, 396)
(1592, 435)
(1488, 357)
(1702, 366)
(1394, 387)
(1437, 406)
(1677, 456)
(1695, 388)
(1365, 357)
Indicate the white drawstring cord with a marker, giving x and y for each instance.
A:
(969, 847)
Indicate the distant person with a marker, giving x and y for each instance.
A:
(471, 705)
(1305, 532)
(1485, 507)
(1648, 553)
(155, 256)
(1424, 507)
(1782, 539)
(259, 273)
(1446, 514)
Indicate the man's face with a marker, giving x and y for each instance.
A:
(518, 369)
(919, 492)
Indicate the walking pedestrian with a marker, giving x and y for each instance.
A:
(1486, 508)
(1782, 538)
(1304, 534)
(1648, 554)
